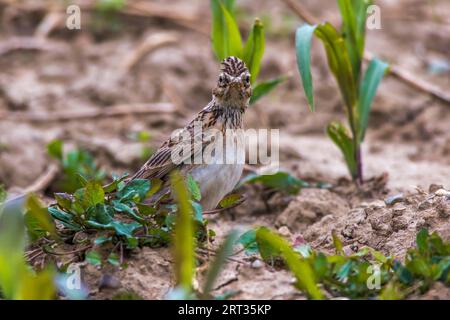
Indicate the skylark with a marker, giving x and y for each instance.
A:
(211, 147)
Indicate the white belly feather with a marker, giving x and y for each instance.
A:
(216, 181)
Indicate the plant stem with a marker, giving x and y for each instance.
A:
(358, 158)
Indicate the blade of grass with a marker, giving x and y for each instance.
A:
(233, 40)
(263, 88)
(341, 138)
(303, 38)
(254, 49)
(225, 250)
(372, 78)
(183, 242)
(299, 267)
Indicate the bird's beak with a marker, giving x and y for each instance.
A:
(235, 87)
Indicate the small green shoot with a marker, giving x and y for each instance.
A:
(365, 274)
(227, 41)
(183, 244)
(17, 279)
(345, 51)
(78, 166)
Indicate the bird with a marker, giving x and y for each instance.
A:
(214, 136)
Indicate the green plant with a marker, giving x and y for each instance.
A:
(3, 194)
(17, 278)
(78, 166)
(184, 246)
(354, 275)
(227, 41)
(115, 209)
(345, 51)
(107, 15)
(281, 181)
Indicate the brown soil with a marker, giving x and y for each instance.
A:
(406, 151)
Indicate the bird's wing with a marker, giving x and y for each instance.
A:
(182, 144)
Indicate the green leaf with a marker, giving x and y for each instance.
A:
(422, 241)
(121, 228)
(442, 270)
(102, 213)
(198, 211)
(64, 200)
(282, 181)
(299, 267)
(233, 40)
(113, 259)
(391, 291)
(263, 88)
(225, 250)
(82, 181)
(340, 65)
(101, 240)
(230, 200)
(193, 188)
(341, 138)
(3, 194)
(254, 49)
(218, 30)
(38, 220)
(183, 241)
(38, 286)
(17, 279)
(65, 218)
(337, 244)
(93, 194)
(94, 258)
(55, 149)
(136, 190)
(110, 5)
(303, 38)
(354, 14)
(12, 245)
(248, 241)
(372, 78)
(110, 187)
(156, 185)
(145, 210)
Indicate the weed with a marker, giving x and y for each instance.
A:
(17, 279)
(227, 41)
(78, 167)
(345, 51)
(365, 274)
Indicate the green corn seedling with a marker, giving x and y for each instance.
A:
(344, 50)
(227, 41)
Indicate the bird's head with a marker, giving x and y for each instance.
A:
(233, 86)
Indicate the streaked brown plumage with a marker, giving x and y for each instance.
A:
(225, 112)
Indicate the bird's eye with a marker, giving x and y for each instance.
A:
(222, 79)
(247, 78)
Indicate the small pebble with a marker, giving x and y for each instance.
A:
(435, 187)
(390, 201)
(284, 231)
(257, 264)
(442, 193)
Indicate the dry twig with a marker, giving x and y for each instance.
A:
(153, 42)
(48, 24)
(31, 43)
(91, 114)
(44, 180)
